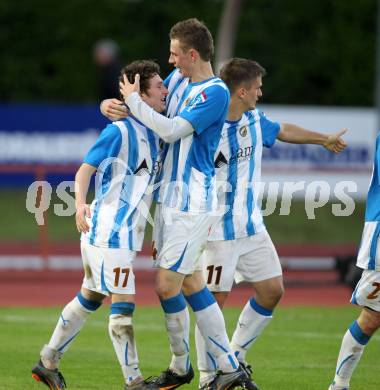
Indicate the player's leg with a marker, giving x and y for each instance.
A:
(177, 242)
(218, 263)
(367, 295)
(122, 335)
(256, 315)
(210, 321)
(260, 265)
(118, 279)
(71, 321)
(183, 243)
(168, 287)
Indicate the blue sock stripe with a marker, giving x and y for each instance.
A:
(259, 309)
(87, 304)
(186, 345)
(218, 345)
(212, 360)
(122, 308)
(67, 342)
(174, 304)
(358, 334)
(249, 342)
(233, 364)
(201, 299)
(341, 364)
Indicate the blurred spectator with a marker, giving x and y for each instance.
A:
(106, 58)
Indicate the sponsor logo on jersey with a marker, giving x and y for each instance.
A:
(142, 169)
(220, 160)
(243, 131)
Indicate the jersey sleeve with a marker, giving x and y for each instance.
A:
(107, 145)
(269, 130)
(207, 107)
(377, 158)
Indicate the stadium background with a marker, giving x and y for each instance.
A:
(321, 63)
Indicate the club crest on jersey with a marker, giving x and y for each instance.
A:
(192, 103)
(243, 131)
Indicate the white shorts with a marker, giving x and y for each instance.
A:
(247, 259)
(369, 252)
(367, 291)
(108, 270)
(179, 238)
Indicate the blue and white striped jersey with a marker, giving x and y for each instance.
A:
(188, 171)
(238, 174)
(369, 253)
(127, 158)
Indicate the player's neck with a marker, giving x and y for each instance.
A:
(235, 110)
(202, 71)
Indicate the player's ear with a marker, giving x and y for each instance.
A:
(241, 92)
(193, 55)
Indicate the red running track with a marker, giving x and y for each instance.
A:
(48, 288)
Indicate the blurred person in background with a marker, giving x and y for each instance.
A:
(108, 64)
(367, 292)
(127, 158)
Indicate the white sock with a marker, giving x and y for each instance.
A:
(122, 336)
(350, 353)
(252, 321)
(211, 324)
(206, 363)
(178, 328)
(71, 321)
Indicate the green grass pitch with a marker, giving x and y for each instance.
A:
(297, 351)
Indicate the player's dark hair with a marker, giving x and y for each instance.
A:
(193, 34)
(240, 71)
(145, 68)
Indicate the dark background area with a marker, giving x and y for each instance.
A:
(318, 52)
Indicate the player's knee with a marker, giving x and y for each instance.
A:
(120, 321)
(369, 321)
(166, 287)
(88, 304)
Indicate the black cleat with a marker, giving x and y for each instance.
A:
(249, 383)
(228, 380)
(147, 384)
(52, 378)
(170, 380)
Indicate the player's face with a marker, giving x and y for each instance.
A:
(155, 96)
(253, 93)
(181, 60)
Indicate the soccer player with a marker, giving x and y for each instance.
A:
(126, 157)
(367, 291)
(239, 246)
(187, 196)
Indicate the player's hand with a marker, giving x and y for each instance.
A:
(126, 88)
(83, 211)
(114, 109)
(335, 143)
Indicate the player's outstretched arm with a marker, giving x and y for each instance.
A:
(114, 109)
(297, 135)
(170, 130)
(82, 182)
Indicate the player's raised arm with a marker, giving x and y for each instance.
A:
(170, 130)
(297, 135)
(114, 109)
(82, 182)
